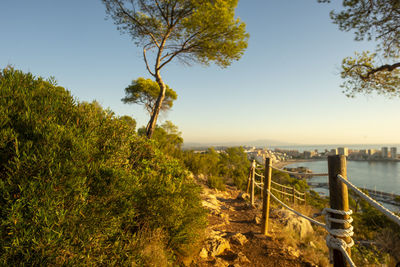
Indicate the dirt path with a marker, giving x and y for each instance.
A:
(232, 221)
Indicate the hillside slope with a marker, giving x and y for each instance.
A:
(234, 236)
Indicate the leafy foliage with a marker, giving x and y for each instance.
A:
(168, 138)
(234, 164)
(131, 122)
(145, 92)
(377, 20)
(371, 224)
(199, 31)
(77, 185)
(216, 182)
(231, 165)
(362, 75)
(286, 179)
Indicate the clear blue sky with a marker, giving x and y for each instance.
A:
(285, 87)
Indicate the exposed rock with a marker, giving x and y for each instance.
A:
(215, 234)
(241, 258)
(211, 203)
(224, 216)
(292, 221)
(239, 239)
(217, 244)
(218, 262)
(257, 219)
(203, 253)
(293, 252)
(243, 196)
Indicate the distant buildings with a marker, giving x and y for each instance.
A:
(393, 152)
(343, 151)
(385, 152)
(371, 152)
(259, 155)
(308, 154)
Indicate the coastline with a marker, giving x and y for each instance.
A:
(282, 164)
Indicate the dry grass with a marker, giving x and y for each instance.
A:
(151, 249)
(390, 242)
(312, 247)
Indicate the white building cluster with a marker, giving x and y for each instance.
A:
(385, 153)
(259, 154)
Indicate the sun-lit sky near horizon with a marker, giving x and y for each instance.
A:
(286, 87)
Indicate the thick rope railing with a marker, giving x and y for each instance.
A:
(281, 185)
(290, 188)
(371, 201)
(259, 175)
(281, 192)
(259, 185)
(332, 240)
(338, 238)
(299, 193)
(299, 173)
(299, 198)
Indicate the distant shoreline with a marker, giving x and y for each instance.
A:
(282, 164)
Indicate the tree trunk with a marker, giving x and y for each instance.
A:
(157, 107)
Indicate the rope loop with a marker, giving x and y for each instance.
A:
(339, 212)
(334, 238)
(341, 245)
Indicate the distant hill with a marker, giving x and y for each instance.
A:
(256, 143)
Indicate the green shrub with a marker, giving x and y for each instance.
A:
(216, 182)
(77, 185)
(231, 164)
(235, 165)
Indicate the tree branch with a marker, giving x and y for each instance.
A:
(145, 61)
(162, 12)
(143, 28)
(175, 54)
(386, 67)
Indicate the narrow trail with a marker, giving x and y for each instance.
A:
(234, 236)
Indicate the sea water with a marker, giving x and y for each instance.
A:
(376, 175)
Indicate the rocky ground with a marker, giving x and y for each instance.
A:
(234, 236)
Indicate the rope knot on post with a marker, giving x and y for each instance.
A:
(334, 238)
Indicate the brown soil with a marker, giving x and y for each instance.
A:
(260, 249)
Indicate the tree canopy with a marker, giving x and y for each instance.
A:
(377, 71)
(145, 92)
(169, 138)
(193, 31)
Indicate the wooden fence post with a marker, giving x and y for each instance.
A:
(294, 195)
(249, 179)
(253, 170)
(267, 187)
(262, 187)
(339, 200)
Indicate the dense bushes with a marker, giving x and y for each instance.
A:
(77, 185)
(231, 165)
(370, 224)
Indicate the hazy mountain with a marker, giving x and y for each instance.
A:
(256, 143)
